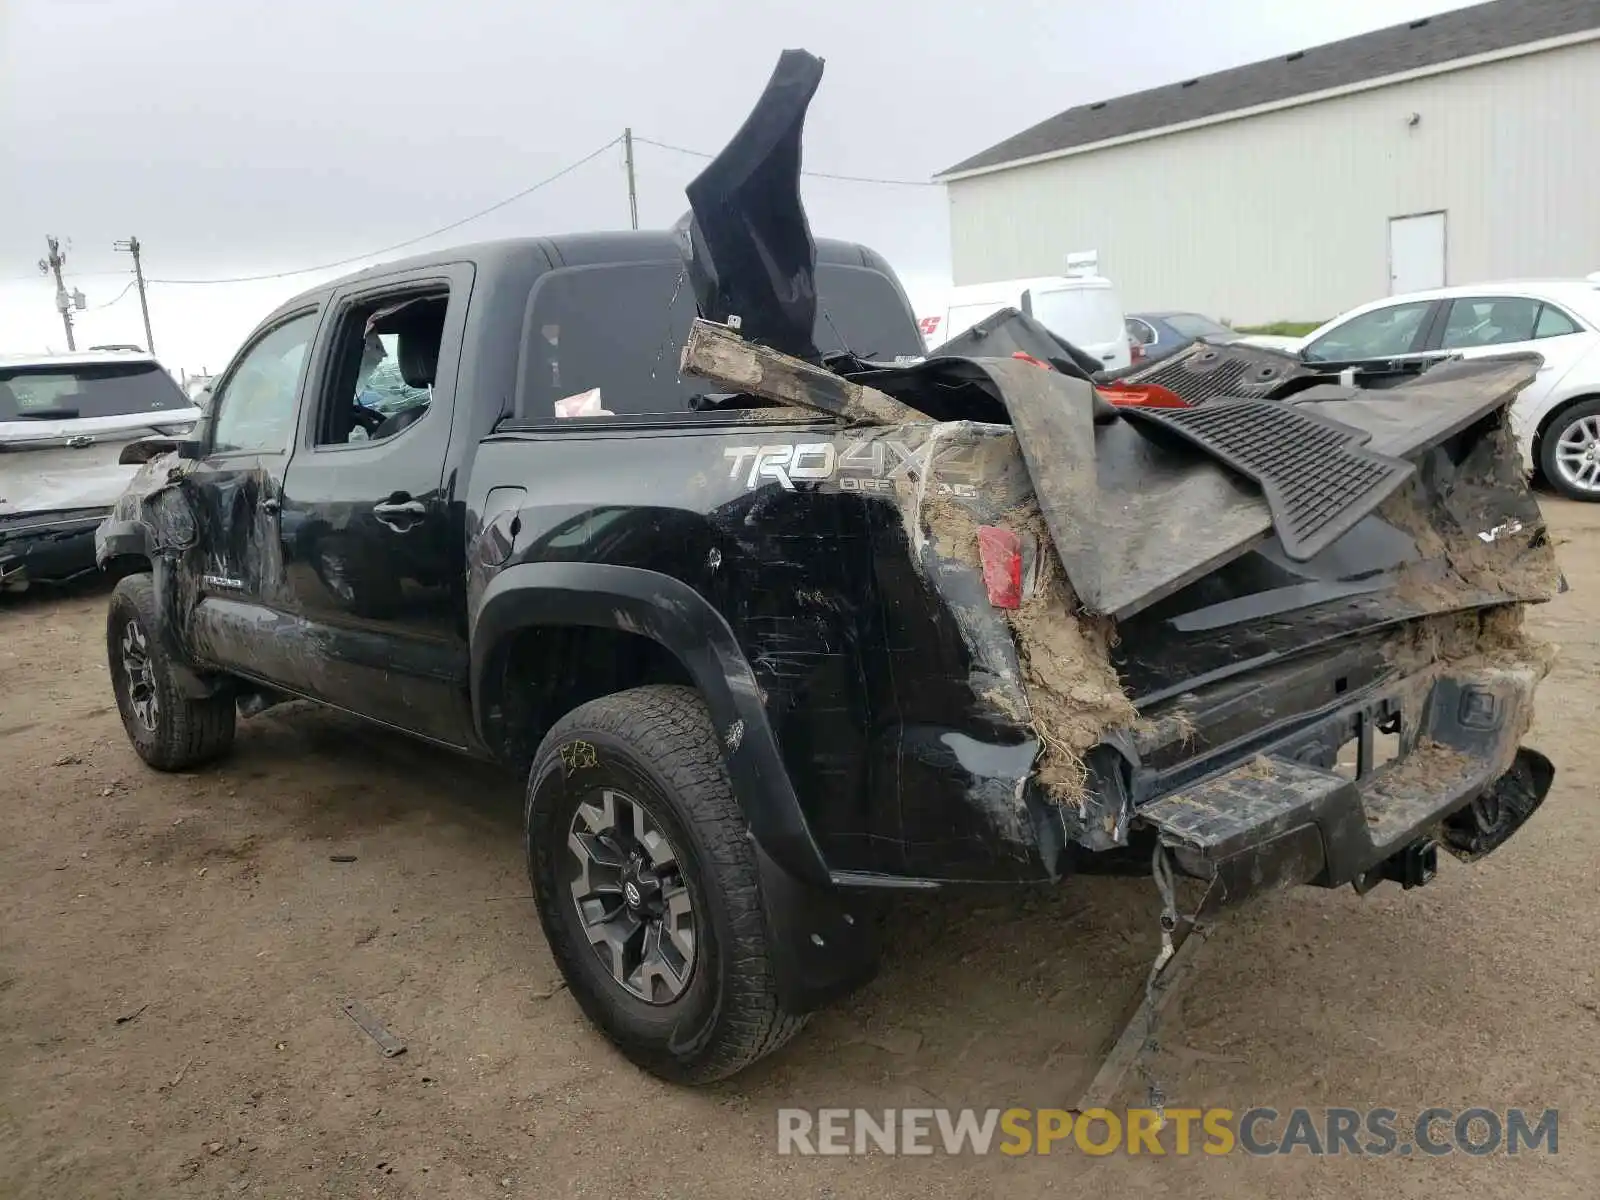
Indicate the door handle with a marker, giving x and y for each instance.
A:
(399, 514)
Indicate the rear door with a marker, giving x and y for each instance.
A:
(371, 546)
(1479, 326)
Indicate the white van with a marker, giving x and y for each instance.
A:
(1082, 308)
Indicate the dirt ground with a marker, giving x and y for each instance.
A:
(174, 952)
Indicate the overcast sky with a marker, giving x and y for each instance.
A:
(241, 137)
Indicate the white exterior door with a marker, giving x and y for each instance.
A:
(1416, 253)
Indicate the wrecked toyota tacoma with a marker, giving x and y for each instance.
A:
(778, 618)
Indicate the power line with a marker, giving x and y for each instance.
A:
(119, 296)
(421, 237)
(482, 212)
(814, 174)
(75, 275)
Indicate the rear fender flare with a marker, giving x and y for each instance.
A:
(671, 613)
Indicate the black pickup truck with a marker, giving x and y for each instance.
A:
(778, 618)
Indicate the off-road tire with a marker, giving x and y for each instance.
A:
(658, 744)
(187, 731)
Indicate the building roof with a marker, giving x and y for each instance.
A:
(1427, 42)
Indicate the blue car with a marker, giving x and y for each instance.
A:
(1158, 334)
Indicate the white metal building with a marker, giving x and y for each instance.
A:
(1457, 148)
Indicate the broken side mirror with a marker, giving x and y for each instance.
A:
(140, 451)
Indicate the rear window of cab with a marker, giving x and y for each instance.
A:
(605, 339)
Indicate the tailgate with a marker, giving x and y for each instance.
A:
(51, 466)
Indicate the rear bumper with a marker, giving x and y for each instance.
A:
(1290, 816)
(48, 547)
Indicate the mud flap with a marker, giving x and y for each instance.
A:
(822, 943)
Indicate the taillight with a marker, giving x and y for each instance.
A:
(1143, 395)
(1000, 552)
(1135, 352)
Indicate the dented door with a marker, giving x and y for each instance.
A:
(236, 493)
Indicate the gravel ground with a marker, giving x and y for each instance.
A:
(174, 952)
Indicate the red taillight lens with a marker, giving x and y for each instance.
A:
(1144, 395)
(1000, 551)
(1135, 352)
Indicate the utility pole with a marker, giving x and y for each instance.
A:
(64, 302)
(132, 247)
(633, 193)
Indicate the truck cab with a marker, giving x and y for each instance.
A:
(343, 526)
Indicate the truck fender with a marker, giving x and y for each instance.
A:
(671, 613)
(821, 943)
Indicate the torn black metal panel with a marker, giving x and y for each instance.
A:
(1204, 372)
(1137, 516)
(1010, 332)
(1134, 519)
(751, 253)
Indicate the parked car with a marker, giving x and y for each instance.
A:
(1081, 308)
(64, 419)
(1158, 334)
(1270, 341)
(770, 641)
(1557, 418)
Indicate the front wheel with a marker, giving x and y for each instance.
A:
(168, 729)
(646, 886)
(1569, 451)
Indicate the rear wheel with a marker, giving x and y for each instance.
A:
(1569, 451)
(646, 885)
(168, 729)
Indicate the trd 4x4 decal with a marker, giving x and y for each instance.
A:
(867, 464)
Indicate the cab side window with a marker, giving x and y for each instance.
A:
(604, 341)
(254, 408)
(384, 366)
